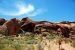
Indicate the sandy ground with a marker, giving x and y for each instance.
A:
(53, 45)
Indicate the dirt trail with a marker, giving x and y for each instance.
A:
(53, 45)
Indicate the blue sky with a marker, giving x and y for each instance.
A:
(50, 10)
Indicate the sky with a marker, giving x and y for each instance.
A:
(50, 10)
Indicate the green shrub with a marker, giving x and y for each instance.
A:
(73, 43)
(8, 48)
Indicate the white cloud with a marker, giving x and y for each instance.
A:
(37, 12)
(23, 9)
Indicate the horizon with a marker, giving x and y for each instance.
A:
(48, 10)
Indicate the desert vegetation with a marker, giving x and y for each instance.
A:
(29, 41)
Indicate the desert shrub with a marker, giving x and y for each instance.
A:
(51, 36)
(33, 41)
(73, 42)
(8, 48)
(16, 46)
(45, 34)
(26, 41)
(4, 41)
(2, 46)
